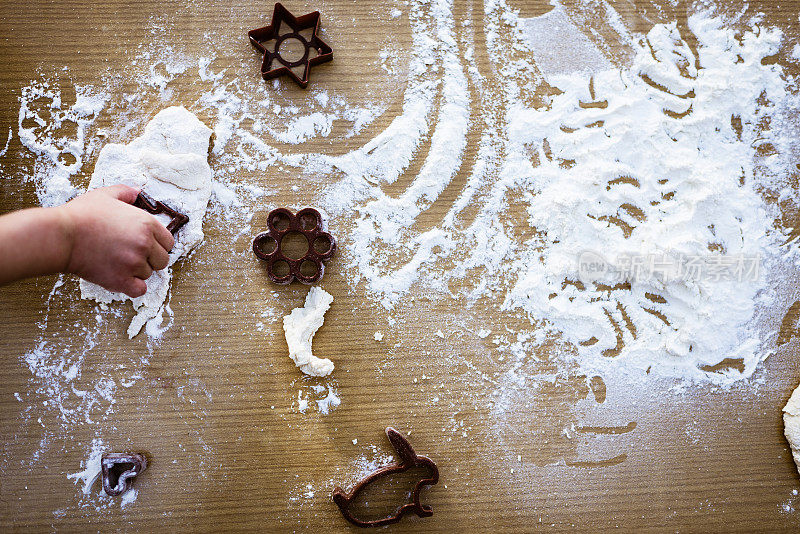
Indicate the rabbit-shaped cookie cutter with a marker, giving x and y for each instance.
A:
(407, 460)
(116, 482)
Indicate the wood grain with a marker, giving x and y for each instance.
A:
(215, 408)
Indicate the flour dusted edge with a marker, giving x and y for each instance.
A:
(170, 163)
(300, 327)
(791, 425)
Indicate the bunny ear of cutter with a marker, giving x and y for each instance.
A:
(407, 459)
(404, 450)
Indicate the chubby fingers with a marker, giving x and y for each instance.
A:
(162, 235)
(121, 192)
(143, 270)
(133, 287)
(158, 257)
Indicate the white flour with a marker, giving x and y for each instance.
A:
(656, 171)
(645, 149)
(90, 479)
(584, 171)
(56, 133)
(653, 161)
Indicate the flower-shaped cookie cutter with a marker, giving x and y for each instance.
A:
(407, 459)
(308, 267)
(118, 468)
(271, 55)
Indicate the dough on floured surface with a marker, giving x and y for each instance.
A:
(170, 163)
(791, 424)
(301, 325)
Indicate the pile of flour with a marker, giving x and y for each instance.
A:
(654, 163)
(169, 162)
(664, 158)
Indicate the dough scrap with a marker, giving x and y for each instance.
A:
(169, 161)
(301, 325)
(791, 425)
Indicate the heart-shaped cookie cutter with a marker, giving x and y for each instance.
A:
(308, 268)
(118, 468)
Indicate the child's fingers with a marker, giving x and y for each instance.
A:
(134, 287)
(163, 236)
(141, 269)
(158, 257)
(122, 192)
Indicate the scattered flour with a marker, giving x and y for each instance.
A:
(648, 165)
(8, 142)
(572, 52)
(57, 134)
(302, 402)
(330, 401)
(92, 468)
(301, 325)
(641, 155)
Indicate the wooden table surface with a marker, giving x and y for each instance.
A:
(214, 402)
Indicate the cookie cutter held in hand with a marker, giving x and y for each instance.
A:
(155, 207)
(308, 268)
(118, 468)
(407, 459)
(281, 16)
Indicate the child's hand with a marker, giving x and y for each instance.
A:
(112, 243)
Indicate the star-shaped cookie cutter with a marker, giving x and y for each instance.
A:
(297, 24)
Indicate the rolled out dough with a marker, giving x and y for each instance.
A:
(300, 327)
(170, 163)
(791, 425)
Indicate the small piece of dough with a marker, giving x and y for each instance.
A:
(791, 424)
(300, 327)
(169, 161)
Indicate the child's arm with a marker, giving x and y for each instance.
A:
(98, 236)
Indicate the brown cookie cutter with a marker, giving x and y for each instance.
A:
(155, 207)
(268, 245)
(407, 460)
(118, 468)
(271, 55)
